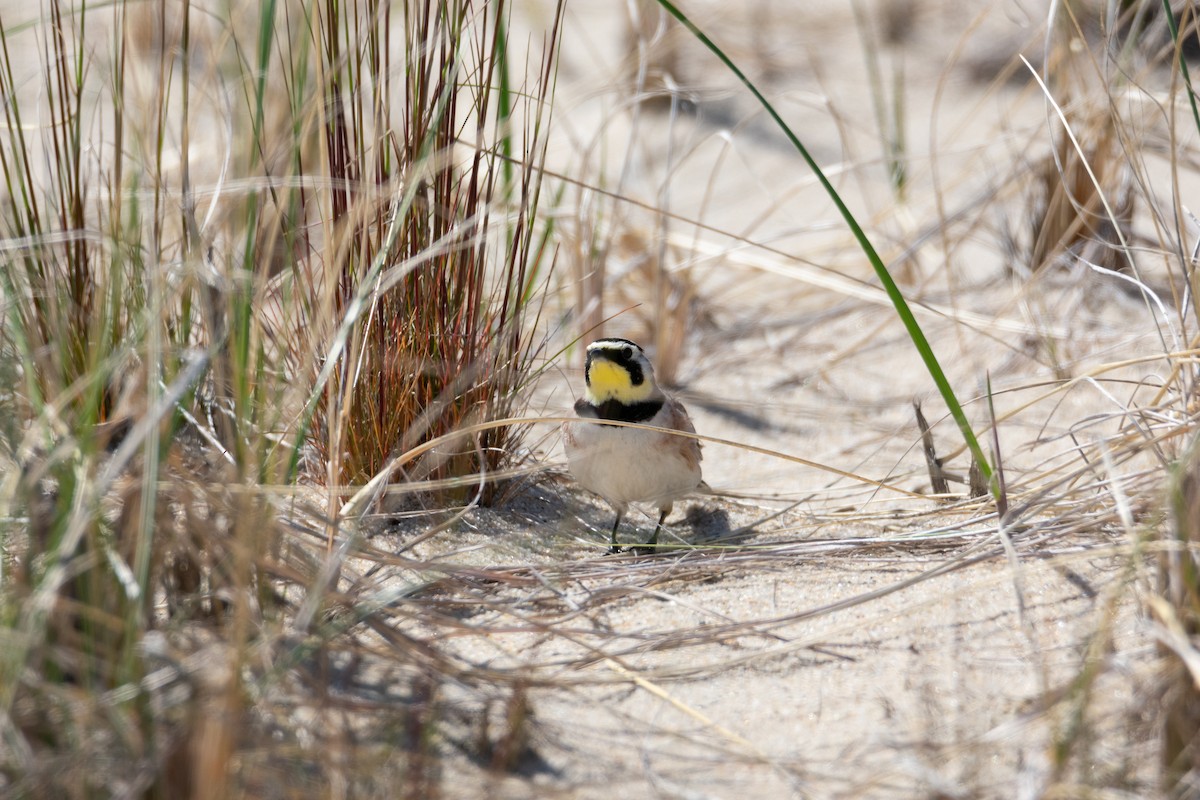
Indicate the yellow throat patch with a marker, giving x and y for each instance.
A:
(609, 381)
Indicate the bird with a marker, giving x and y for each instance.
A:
(627, 465)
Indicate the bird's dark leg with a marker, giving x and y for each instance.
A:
(613, 548)
(652, 545)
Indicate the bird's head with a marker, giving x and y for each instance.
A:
(617, 369)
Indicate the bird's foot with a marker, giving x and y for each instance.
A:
(614, 550)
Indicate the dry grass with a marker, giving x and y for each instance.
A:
(234, 249)
(266, 331)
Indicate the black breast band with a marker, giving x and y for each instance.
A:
(621, 412)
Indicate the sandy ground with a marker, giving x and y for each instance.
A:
(868, 642)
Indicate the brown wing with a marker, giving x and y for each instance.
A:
(677, 418)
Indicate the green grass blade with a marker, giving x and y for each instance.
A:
(902, 310)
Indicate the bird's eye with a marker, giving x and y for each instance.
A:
(626, 353)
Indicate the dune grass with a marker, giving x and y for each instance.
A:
(246, 253)
(279, 280)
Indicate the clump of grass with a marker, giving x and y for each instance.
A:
(446, 201)
(236, 241)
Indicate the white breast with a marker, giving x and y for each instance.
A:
(630, 465)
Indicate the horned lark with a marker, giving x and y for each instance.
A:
(626, 464)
